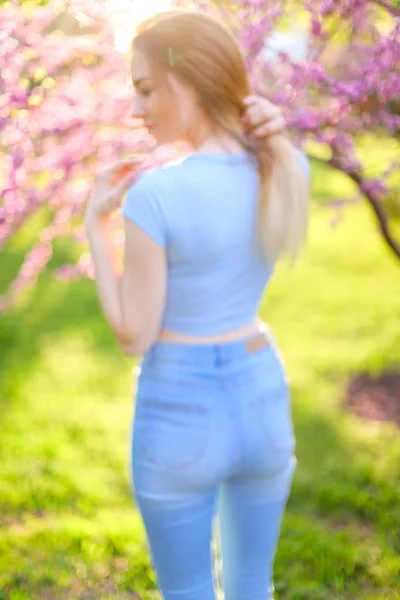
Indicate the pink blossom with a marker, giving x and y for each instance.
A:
(65, 104)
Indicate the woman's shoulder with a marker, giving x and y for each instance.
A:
(163, 174)
(192, 168)
(159, 183)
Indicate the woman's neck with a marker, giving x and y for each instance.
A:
(219, 145)
(203, 138)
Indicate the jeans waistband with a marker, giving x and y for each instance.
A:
(211, 354)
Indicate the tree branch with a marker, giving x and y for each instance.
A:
(373, 201)
(379, 213)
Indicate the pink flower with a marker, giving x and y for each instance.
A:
(65, 104)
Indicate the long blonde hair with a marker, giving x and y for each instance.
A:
(203, 53)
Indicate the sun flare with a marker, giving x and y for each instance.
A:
(145, 8)
(126, 14)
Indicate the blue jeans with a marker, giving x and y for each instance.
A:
(213, 436)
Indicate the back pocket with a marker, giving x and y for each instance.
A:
(275, 420)
(171, 433)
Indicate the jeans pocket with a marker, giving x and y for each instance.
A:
(275, 421)
(169, 433)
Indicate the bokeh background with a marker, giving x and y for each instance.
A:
(69, 527)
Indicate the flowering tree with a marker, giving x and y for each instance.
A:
(346, 85)
(65, 104)
(64, 109)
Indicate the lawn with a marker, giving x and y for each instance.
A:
(69, 529)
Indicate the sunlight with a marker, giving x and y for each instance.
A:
(126, 14)
(145, 8)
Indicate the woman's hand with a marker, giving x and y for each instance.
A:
(110, 185)
(262, 117)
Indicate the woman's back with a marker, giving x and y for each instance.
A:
(203, 210)
(212, 422)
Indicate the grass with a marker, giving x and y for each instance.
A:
(68, 525)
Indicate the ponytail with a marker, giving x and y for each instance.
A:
(282, 221)
(282, 218)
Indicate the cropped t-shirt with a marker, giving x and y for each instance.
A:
(203, 210)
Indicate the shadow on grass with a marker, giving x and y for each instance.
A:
(338, 481)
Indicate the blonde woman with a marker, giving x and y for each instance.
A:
(212, 429)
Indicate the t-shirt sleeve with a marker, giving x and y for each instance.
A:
(304, 164)
(142, 206)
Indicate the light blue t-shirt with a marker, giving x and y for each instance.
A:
(203, 211)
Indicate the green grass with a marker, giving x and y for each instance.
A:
(69, 528)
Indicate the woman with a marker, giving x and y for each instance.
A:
(212, 427)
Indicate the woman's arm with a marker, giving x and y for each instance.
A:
(132, 301)
(132, 298)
